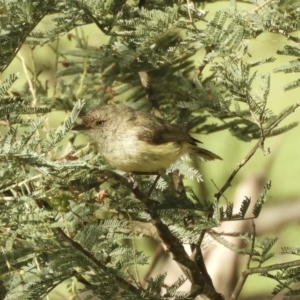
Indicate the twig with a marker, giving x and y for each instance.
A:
(154, 263)
(34, 77)
(238, 288)
(94, 19)
(222, 233)
(189, 5)
(252, 245)
(84, 73)
(250, 271)
(153, 185)
(262, 5)
(219, 190)
(21, 182)
(22, 39)
(259, 144)
(172, 243)
(137, 279)
(123, 283)
(274, 267)
(31, 87)
(197, 256)
(81, 279)
(55, 50)
(144, 77)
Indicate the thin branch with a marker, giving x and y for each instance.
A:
(22, 39)
(252, 245)
(84, 73)
(91, 16)
(34, 77)
(178, 185)
(33, 178)
(123, 283)
(31, 87)
(250, 271)
(274, 267)
(262, 5)
(55, 51)
(172, 243)
(150, 95)
(238, 288)
(284, 115)
(219, 190)
(259, 144)
(223, 233)
(137, 279)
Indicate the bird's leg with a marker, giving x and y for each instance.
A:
(153, 185)
(130, 177)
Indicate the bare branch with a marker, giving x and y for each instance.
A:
(259, 144)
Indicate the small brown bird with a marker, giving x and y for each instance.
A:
(138, 142)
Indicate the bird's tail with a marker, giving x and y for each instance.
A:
(205, 154)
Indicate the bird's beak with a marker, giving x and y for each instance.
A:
(80, 127)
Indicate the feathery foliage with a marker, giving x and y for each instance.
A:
(65, 215)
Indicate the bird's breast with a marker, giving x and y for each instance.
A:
(129, 154)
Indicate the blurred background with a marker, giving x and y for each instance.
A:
(280, 216)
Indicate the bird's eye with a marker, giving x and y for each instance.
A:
(99, 123)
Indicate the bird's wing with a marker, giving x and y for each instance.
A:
(157, 132)
(175, 134)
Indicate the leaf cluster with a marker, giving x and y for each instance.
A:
(63, 216)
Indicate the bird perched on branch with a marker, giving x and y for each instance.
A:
(138, 142)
